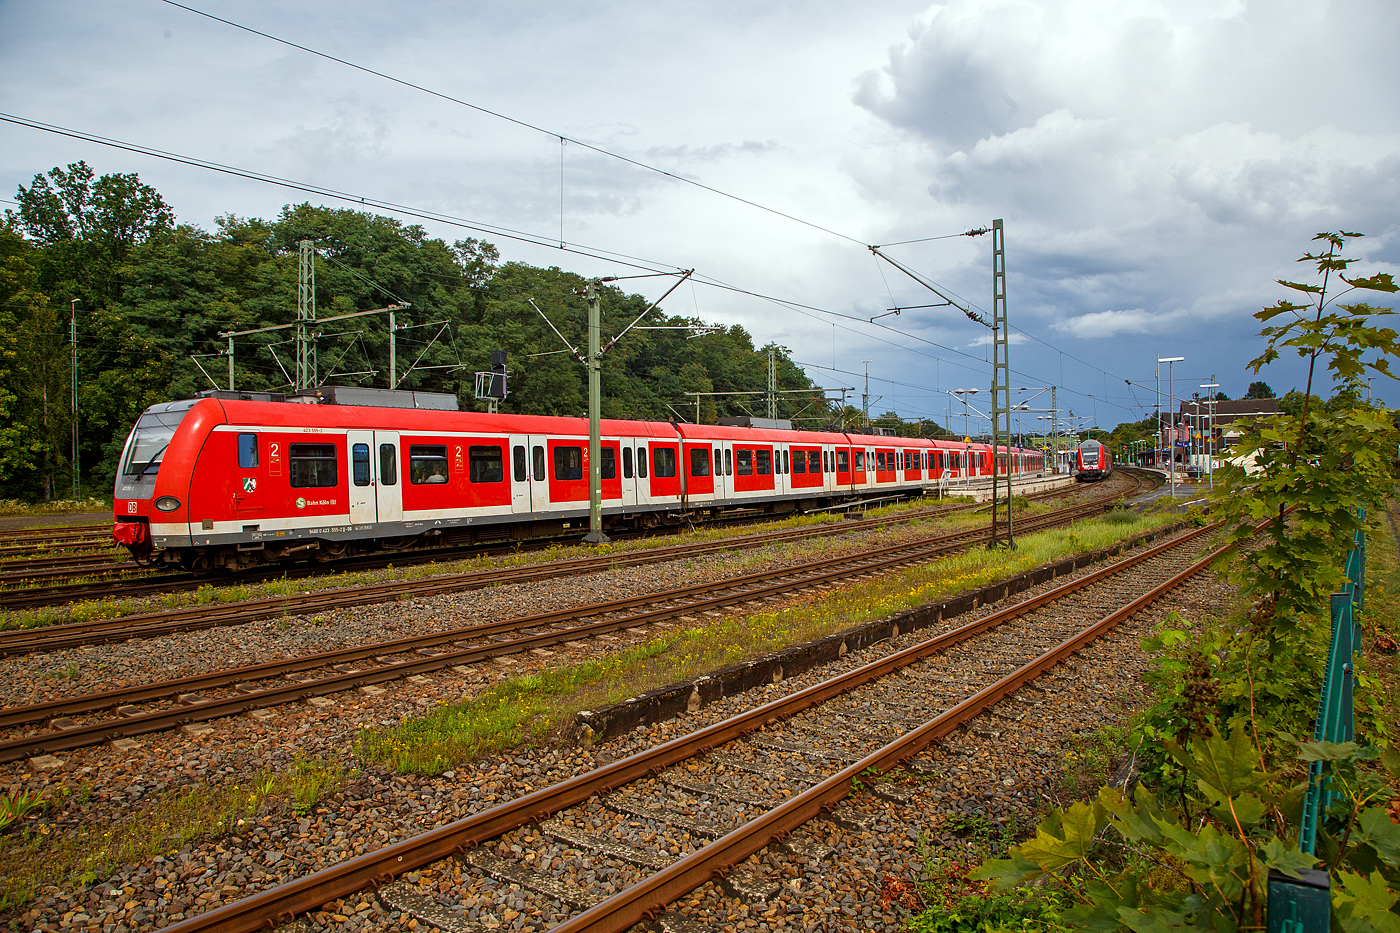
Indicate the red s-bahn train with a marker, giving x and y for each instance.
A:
(1092, 462)
(233, 480)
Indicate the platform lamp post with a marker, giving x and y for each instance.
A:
(1171, 397)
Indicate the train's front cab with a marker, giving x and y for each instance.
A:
(152, 489)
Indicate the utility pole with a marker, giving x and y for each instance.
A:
(1054, 432)
(306, 316)
(230, 364)
(772, 384)
(73, 378)
(865, 399)
(1001, 383)
(595, 409)
(393, 353)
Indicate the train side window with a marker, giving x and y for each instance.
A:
(427, 464)
(699, 461)
(814, 461)
(799, 462)
(860, 461)
(485, 464)
(537, 462)
(359, 464)
(517, 457)
(627, 463)
(642, 462)
(312, 465)
(743, 462)
(729, 463)
(663, 461)
(568, 463)
(247, 451)
(843, 460)
(764, 460)
(388, 465)
(608, 467)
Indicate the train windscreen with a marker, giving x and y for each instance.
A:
(145, 448)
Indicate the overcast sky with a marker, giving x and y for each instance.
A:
(1157, 164)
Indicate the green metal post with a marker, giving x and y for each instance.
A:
(1001, 385)
(595, 407)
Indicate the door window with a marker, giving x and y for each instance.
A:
(786, 462)
(729, 463)
(537, 461)
(642, 462)
(517, 459)
(388, 465)
(359, 464)
(627, 463)
(247, 451)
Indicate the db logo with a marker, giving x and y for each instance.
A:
(131, 507)
(301, 503)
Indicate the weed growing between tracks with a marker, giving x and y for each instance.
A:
(530, 709)
(53, 847)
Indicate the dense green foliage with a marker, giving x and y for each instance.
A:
(153, 296)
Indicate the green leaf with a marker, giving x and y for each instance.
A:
(1364, 904)
(1078, 827)
(1006, 873)
(1300, 286)
(1382, 282)
(1326, 751)
(1248, 808)
(1374, 828)
(1286, 858)
(1140, 823)
(1390, 760)
(1225, 767)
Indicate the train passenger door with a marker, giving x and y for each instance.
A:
(388, 494)
(363, 510)
(723, 456)
(627, 470)
(519, 470)
(537, 461)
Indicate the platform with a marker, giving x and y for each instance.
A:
(979, 488)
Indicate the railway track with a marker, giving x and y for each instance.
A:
(33, 597)
(180, 702)
(660, 823)
(99, 631)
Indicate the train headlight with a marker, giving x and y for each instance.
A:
(167, 503)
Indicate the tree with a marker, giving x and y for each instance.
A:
(1258, 390)
(1327, 461)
